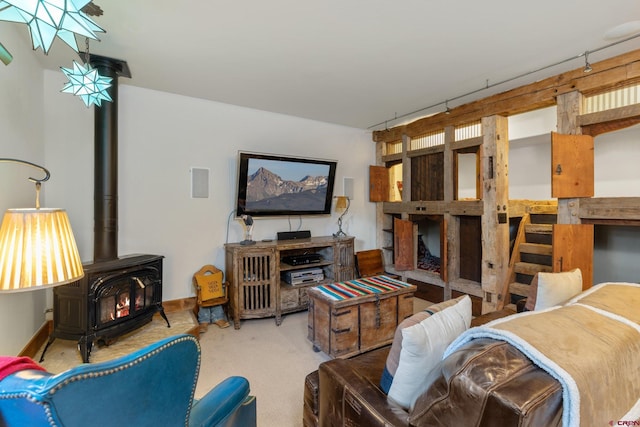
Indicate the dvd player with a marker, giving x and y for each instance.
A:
(302, 259)
(299, 277)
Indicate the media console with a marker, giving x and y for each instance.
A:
(258, 274)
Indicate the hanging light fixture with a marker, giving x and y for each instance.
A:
(48, 19)
(37, 246)
(86, 82)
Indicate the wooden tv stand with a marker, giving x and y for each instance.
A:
(254, 272)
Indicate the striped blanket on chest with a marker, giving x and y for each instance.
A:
(361, 287)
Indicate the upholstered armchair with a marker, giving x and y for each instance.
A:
(153, 386)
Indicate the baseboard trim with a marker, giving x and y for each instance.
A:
(42, 334)
(179, 304)
(37, 340)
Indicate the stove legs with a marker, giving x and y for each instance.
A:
(164, 316)
(85, 344)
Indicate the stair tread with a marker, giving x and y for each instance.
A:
(536, 248)
(543, 210)
(531, 268)
(521, 289)
(539, 228)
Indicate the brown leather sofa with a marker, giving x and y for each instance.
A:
(485, 383)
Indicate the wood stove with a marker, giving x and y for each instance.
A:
(117, 294)
(113, 298)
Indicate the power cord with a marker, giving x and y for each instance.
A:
(229, 224)
(299, 222)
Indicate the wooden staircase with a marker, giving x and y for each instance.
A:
(532, 253)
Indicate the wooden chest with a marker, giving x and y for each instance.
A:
(355, 316)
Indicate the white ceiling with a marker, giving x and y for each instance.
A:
(351, 62)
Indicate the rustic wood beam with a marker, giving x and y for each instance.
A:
(610, 120)
(602, 210)
(473, 143)
(610, 73)
(426, 151)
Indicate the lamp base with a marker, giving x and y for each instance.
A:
(248, 242)
(340, 233)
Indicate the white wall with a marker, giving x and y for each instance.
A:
(530, 154)
(21, 137)
(617, 156)
(161, 137)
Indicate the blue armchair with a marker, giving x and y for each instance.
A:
(153, 386)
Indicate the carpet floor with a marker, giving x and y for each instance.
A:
(275, 359)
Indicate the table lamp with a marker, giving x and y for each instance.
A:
(342, 205)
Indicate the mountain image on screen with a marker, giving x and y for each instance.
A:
(268, 191)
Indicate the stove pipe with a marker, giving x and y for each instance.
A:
(105, 189)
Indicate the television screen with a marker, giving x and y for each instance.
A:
(270, 185)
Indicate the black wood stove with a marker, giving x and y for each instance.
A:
(116, 294)
(113, 298)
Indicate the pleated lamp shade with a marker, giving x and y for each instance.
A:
(37, 250)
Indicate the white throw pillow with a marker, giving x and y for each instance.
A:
(393, 358)
(550, 289)
(422, 348)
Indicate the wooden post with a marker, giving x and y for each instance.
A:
(452, 224)
(568, 110)
(495, 218)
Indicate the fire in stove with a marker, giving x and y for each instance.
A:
(122, 308)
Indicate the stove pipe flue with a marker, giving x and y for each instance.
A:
(105, 190)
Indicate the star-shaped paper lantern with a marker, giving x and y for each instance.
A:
(50, 18)
(85, 82)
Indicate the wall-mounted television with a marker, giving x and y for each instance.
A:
(273, 185)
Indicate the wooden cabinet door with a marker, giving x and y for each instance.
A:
(470, 250)
(573, 248)
(404, 250)
(378, 184)
(571, 166)
(343, 261)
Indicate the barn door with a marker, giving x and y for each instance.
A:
(573, 248)
(571, 166)
(378, 184)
